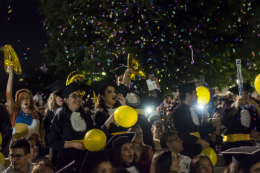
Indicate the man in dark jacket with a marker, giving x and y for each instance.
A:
(186, 122)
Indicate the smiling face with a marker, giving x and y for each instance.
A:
(109, 96)
(74, 101)
(24, 100)
(104, 167)
(175, 162)
(127, 153)
(59, 101)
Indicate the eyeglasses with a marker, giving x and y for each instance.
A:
(203, 167)
(17, 156)
(75, 96)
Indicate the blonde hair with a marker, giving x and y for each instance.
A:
(52, 106)
(32, 104)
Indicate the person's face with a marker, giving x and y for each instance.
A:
(194, 98)
(32, 148)
(255, 168)
(24, 100)
(74, 101)
(109, 96)
(104, 167)
(46, 169)
(127, 153)
(158, 129)
(175, 144)
(175, 162)
(139, 135)
(120, 79)
(18, 158)
(59, 101)
(205, 166)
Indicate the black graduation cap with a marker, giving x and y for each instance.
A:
(67, 90)
(118, 140)
(246, 87)
(56, 86)
(246, 156)
(98, 87)
(95, 158)
(89, 104)
(87, 88)
(187, 88)
(119, 71)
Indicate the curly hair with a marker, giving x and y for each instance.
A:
(52, 106)
(32, 104)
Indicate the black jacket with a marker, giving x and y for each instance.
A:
(181, 122)
(5, 127)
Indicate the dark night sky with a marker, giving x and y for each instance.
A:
(24, 24)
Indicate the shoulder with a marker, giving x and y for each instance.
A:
(185, 159)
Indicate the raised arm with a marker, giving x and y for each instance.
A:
(9, 88)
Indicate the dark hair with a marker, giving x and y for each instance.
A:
(100, 105)
(97, 166)
(120, 170)
(38, 168)
(21, 143)
(182, 96)
(29, 138)
(166, 136)
(195, 163)
(65, 111)
(117, 158)
(162, 160)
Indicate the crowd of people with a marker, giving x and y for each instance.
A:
(40, 137)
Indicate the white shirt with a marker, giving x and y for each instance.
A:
(194, 117)
(10, 169)
(185, 163)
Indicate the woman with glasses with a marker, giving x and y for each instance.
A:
(68, 128)
(165, 161)
(172, 141)
(143, 153)
(25, 119)
(201, 164)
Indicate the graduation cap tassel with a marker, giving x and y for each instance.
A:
(95, 98)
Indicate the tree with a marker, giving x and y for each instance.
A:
(96, 36)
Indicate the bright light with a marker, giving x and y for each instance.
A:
(201, 106)
(104, 73)
(149, 110)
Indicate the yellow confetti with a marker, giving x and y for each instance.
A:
(81, 22)
(9, 11)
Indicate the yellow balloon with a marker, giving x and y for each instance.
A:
(75, 76)
(95, 140)
(125, 116)
(2, 159)
(257, 83)
(1, 139)
(203, 95)
(11, 58)
(136, 66)
(211, 155)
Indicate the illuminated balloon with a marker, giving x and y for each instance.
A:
(257, 83)
(135, 65)
(95, 140)
(211, 155)
(2, 159)
(75, 76)
(125, 116)
(12, 59)
(203, 95)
